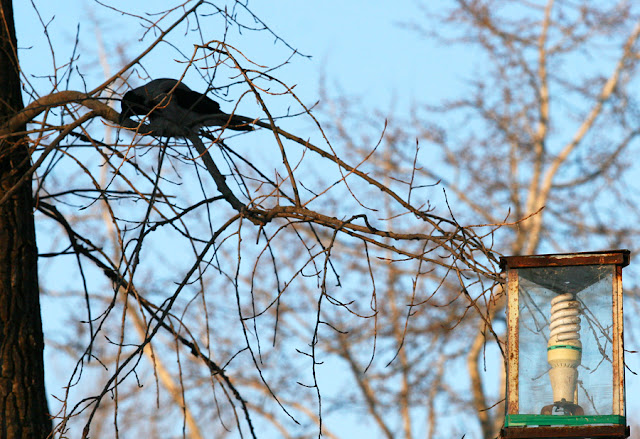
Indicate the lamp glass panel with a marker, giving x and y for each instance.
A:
(592, 286)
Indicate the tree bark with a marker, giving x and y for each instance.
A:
(23, 404)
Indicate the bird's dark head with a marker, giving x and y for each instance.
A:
(132, 104)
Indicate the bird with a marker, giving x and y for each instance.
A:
(171, 109)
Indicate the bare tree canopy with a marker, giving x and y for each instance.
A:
(543, 128)
(293, 267)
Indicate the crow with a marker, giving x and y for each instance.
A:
(171, 109)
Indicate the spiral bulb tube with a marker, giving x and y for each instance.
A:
(564, 350)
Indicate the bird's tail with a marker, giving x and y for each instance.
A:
(233, 122)
(241, 123)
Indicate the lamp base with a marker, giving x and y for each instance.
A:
(585, 432)
(562, 408)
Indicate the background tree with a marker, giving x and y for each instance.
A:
(543, 128)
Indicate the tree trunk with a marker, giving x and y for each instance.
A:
(23, 404)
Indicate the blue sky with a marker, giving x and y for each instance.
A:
(362, 48)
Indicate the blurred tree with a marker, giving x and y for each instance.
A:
(541, 129)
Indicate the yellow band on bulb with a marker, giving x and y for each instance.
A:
(562, 353)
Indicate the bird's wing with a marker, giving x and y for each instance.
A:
(194, 101)
(181, 95)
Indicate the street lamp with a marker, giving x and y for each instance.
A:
(565, 355)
